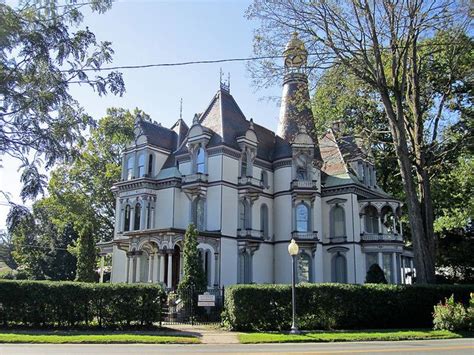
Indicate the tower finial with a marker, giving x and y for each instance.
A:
(181, 109)
(223, 85)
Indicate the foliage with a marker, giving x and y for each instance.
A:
(43, 52)
(81, 191)
(93, 338)
(75, 304)
(452, 315)
(86, 255)
(6, 249)
(375, 275)
(193, 274)
(336, 306)
(367, 335)
(40, 248)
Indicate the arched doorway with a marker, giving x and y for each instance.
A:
(176, 266)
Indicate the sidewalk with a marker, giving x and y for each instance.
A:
(207, 334)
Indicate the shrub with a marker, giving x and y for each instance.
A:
(336, 306)
(375, 275)
(71, 304)
(452, 315)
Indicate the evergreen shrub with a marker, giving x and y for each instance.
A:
(453, 316)
(336, 306)
(77, 304)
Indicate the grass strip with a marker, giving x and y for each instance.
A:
(96, 339)
(333, 336)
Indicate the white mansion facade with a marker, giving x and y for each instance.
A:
(250, 191)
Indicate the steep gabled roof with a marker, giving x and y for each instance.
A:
(351, 148)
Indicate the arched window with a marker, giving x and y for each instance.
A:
(199, 213)
(244, 215)
(388, 220)
(371, 220)
(338, 222)
(243, 165)
(339, 268)
(141, 165)
(304, 267)
(244, 273)
(130, 166)
(264, 178)
(201, 161)
(150, 165)
(302, 218)
(264, 220)
(126, 224)
(138, 213)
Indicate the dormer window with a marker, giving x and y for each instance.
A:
(141, 165)
(301, 173)
(201, 161)
(150, 165)
(130, 166)
(264, 178)
(301, 163)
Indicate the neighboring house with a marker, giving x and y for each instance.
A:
(250, 191)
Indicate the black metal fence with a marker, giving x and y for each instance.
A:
(192, 307)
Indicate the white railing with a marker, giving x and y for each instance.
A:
(249, 180)
(249, 233)
(305, 235)
(381, 237)
(197, 177)
(304, 184)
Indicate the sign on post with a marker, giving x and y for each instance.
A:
(206, 300)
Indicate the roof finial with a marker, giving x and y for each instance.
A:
(181, 109)
(196, 119)
(251, 124)
(223, 85)
(302, 128)
(228, 82)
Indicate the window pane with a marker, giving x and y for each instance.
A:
(304, 263)
(338, 220)
(200, 161)
(340, 269)
(370, 259)
(387, 267)
(302, 218)
(141, 165)
(243, 166)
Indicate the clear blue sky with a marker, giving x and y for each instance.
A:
(144, 32)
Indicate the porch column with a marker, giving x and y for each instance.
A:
(401, 229)
(152, 215)
(380, 260)
(143, 215)
(216, 269)
(151, 258)
(156, 267)
(162, 268)
(394, 267)
(128, 268)
(101, 279)
(394, 224)
(362, 225)
(380, 222)
(132, 217)
(181, 265)
(170, 270)
(138, 271)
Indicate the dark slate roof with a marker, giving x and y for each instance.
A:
(351, 148)
(181, 129)
(158, 135)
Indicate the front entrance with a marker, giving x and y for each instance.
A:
(191, 309)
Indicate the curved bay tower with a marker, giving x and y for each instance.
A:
(250, 191)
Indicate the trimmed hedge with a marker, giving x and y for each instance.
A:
(336, 306)
(72, 304)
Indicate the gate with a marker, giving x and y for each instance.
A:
(193, 307)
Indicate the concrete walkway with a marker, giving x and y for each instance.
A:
(207, 334)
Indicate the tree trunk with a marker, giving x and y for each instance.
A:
(423, 259)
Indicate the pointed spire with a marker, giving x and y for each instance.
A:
(181, 109)
(251, 124)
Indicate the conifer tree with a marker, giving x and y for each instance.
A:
(193, 274)
(86, 255)
(375, 275)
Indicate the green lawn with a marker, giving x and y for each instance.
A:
(91, 338)
(363, 335)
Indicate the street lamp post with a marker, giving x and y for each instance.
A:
(293, 250)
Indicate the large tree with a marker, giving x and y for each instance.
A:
(43, 52)
(383, 43)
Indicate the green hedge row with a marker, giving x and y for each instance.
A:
(71, 304)
(336, 306)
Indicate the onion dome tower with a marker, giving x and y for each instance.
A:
(295, 109)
